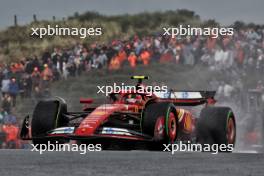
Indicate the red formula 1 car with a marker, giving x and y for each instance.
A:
(132, 118)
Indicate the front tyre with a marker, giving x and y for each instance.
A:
(160, 121)
(47, 115)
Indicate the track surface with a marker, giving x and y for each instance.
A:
(115, 163)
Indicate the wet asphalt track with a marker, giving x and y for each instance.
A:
(115, 163)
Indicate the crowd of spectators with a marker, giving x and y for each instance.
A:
(234, 56)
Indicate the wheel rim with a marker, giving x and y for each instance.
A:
(172, 127)
(231, 131)
(159, 128)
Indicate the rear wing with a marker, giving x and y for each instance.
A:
(187, 98)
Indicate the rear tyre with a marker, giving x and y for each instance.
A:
(216, 125)
(47, 115)
(160, 121)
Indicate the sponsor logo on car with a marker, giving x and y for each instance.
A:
(115, 131)
(63, 130)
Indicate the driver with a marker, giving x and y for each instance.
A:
(134, 98)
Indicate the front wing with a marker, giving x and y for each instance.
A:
(69, 133)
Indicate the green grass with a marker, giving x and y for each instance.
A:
(16, 42)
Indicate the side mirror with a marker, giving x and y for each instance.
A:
(25, 129)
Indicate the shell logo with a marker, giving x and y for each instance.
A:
(188, 123)
(180, 113)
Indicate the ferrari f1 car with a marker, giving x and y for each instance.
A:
(130, 118)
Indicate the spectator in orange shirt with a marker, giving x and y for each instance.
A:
(145, 57)
(11, 135)
(46, 73)
(132, 58)
(46, 76)
(122, 56)
(114, 63)
(13, 68)
(35, 77)
(19, 67)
